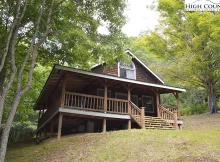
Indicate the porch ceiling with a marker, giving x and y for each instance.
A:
(78, 79)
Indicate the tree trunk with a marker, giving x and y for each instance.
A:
(2, 83)
(212, 103)
(6, 130)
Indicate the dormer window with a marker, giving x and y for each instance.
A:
(126, 70)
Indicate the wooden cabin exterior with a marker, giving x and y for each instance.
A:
(122, 97)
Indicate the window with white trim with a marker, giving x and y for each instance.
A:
(126, 70)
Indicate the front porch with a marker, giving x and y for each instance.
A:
(84, 109)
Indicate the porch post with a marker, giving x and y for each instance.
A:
(175, 124)
(142, 118)
(59, 126)
(129, 124)
(104, 125)
(178, 105)
(157, 103)
(129, 99)
(105, 99)
(63, 91)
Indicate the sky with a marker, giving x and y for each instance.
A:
(139, 18)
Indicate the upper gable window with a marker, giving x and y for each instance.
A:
(126, 70)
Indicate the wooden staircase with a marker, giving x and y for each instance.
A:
(157, 123)
(166, 121)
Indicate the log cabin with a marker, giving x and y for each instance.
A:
(124, 96)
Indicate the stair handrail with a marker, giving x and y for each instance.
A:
(135, 107)
(137, 114)
(167, 115)
(165, 109)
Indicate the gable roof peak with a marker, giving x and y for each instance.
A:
(136, 58)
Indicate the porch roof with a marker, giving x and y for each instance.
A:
(65, 68)
(58, 71)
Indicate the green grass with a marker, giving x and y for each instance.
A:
(199, 141)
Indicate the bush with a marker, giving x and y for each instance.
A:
(22, 131)
(200, 109)
(186, 111)
(197, 109)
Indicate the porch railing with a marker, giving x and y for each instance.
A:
(84, 101)
(95, 103)
(117, 106)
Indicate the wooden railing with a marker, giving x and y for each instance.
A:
(135, 112)
(166, 114)
(171, 108)
(117, 106)
(84, 101)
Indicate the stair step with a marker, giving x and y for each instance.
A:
(154, 123)
(159, 128)
(157, 119)
(167, 128)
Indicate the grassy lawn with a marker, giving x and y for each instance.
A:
(199, 141)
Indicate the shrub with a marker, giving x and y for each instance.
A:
(196, 109)
(22, 131)
(186, 111)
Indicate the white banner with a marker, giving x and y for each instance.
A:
(202, 5)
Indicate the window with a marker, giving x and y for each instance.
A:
(124, 96)
(126, 70)
(148, 103)
(100, 92)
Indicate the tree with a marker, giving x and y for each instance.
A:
(53, 31)
(189, 41)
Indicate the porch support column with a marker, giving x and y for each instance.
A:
(178, 105)
(104, 125)
(142, 118)
(175, 124)
(59, 126)
(105, 98)
(129, 99)
(158, 103)
(63, 91)
(129, 124)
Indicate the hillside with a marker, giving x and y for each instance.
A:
(199, 141)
